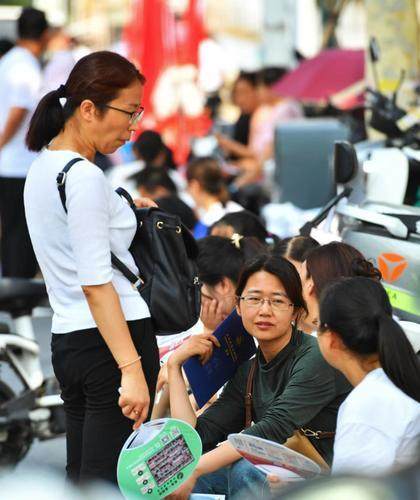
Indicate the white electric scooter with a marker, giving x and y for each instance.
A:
(30, 405)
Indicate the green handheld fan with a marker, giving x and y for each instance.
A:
(157, 458)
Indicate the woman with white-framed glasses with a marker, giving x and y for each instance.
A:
(104, 350)
(293, 388)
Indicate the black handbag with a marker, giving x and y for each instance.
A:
(164, 251)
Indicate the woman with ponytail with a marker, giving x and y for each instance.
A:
(378, 426)
(102, 338)
(209, 191)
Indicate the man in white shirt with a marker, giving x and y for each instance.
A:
(20, 83)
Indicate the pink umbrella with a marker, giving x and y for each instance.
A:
(320, 78)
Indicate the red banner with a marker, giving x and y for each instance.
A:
(163, 42)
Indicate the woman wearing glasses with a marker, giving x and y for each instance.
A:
(102, 337)
(293, 387)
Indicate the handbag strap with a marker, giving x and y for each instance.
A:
(135, 280)
(125, 194)
(317, 434)
(61, 180)
(248, 408)
(248, 393)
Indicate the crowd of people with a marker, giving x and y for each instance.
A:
(334, 371)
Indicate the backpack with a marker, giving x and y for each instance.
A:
(164, 251)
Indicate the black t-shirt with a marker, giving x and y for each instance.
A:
(241, 131)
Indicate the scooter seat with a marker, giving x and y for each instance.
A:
(411, 221)
(391, 209)
(19, 295)
(408, 215)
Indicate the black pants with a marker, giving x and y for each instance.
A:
(17, 255)
(89, 379)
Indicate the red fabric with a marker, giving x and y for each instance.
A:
(319, 78)
(157, 40)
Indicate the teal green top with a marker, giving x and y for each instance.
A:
(295, 389)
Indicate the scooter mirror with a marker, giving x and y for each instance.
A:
(345, 162)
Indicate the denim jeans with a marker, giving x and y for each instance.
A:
(239, 481)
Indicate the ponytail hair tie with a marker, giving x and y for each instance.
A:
(61, 94)
(61, 91)
(236, 240)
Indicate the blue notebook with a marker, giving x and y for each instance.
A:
(237, 346)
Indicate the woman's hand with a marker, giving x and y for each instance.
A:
(211, 313)
(162, 377)
(144, 203)
(275, 483)
(198, 345)
(225, 143)
(134, 399)
(185, 490)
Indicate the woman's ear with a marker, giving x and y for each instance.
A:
(334, 341)
(226, 286)
(297, 314)
(88, 110)
(310, 286)
(193, 185)
(238, 307)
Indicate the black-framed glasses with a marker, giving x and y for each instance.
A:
(276, 303)
(135, 116)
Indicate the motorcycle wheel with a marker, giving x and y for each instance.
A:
(15, 437)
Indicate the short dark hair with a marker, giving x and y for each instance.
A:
(248, 76)
(151, 178)
(31, 24)
(296, 248)
(148, 145)
(271, 75)
(220, 257)
(208, 173)
(283, 270)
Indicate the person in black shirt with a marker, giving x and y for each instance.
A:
(244, 95)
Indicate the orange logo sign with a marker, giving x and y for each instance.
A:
(392, 266)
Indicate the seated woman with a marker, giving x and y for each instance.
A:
(207, 187)
(295, 249)
(219, 263)
(293, 387)
(272, 110)
(244, 96)
(378, 426)
(325, 264)
(244, 223)
(160, 188)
